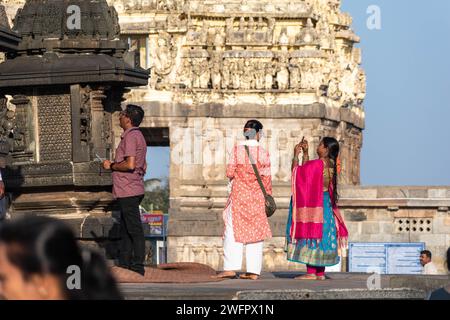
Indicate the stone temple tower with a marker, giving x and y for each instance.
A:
(215, 64)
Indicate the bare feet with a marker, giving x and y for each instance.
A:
(249, 276)
(306, 277)
(226, 275)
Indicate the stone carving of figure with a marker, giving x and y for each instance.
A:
(185, 73)
(282, 73)
(236, 72)
(284, 39)
(242, 24)
(196, 68)
(251, 24)
(250, 29)
(219, 38)
(333, 88)
(295, 75)
(201, 72)
(205, 75)
(216, 75)
(260, 75)
(361, 86)
(261, 23)
(347, 84)
(226, 80)
(271, 25)
(316, 75)
(164, 55)
(229, 27)
(306, 81)
(204, 32)
(6, 120)
(247, 76)
(269, 73)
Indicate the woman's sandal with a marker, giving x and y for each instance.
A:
(306, 277)
(226, 275)
(249, 276)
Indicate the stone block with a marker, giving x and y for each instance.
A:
(415, 213)
(370, 228)
(354, 228)
(381, 237)
(387, 228)
(430, 240)
(399, 237)
(441, 225)
(391, 193)
(379, 215)
(361, 237)
(437, 193)
(354, 215)
(360, 193)
(418, 193)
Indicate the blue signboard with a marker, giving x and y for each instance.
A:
(385, 258)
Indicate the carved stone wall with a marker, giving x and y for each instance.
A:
(55, 138)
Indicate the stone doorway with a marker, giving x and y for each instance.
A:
(157, 191)
(158, 169)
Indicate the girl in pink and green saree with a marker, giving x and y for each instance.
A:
(315, 228)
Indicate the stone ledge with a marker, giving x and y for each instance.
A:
(333, 294)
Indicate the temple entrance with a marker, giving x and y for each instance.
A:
(158, 170)
(155, 205)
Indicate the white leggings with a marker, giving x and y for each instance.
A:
(233, 251)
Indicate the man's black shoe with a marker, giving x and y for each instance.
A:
(141, 271)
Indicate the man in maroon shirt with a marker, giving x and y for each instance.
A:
(128, 170)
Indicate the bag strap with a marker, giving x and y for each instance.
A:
(255, 169)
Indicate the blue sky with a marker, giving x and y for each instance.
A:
(406, 140)
(408, 91)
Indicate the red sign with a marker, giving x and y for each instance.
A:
(153, 219)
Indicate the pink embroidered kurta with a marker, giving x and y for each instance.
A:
(250, 223)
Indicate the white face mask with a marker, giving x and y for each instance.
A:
(250, 133)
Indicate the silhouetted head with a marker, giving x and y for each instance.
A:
(40, 259)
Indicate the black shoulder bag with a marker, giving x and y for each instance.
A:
(271, 206)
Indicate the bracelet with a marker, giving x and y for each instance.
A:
(111, 166)
(295, 159)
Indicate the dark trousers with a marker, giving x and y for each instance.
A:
(132, 246)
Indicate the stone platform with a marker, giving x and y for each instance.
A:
(283, 286)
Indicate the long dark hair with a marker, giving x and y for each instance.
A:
(333, 152)
(42, 245)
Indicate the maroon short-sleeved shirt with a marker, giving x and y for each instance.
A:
(130, 184)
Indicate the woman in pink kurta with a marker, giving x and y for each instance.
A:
(246, 223)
